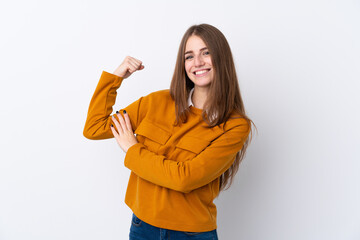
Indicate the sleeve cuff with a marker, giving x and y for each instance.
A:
(112, 77)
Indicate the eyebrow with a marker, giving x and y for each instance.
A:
(192, 51)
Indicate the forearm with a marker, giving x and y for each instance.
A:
(177, 175)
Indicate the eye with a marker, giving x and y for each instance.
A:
(188, 57)
(206, 53)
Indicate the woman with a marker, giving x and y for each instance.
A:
(190, 139)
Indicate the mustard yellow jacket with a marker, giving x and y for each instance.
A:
(175, 171)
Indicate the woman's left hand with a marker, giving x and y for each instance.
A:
(124, 134)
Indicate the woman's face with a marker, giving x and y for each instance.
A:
(198, 65)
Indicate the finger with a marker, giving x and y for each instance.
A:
(135, 63)
(127, 121)
(122, 122)
(134, 59)
(114, 132)
(132, 68)
(117, 124)
(130, 58)
(138, 63)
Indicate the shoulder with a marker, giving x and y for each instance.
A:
(157, 98)
(163, 94)
(237, 123)
(160, 93)
(237, 129)
(158, 105)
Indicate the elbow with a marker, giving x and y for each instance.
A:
(184, 187)
(95, 133)
(185, 190)
(89, 134)
(185, 182)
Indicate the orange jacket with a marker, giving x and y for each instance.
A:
(175, 170)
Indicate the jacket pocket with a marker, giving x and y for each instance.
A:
(151, 135)
(189, 147)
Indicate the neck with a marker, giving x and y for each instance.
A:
(199, 97)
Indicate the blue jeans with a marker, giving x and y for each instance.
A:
(140, 230)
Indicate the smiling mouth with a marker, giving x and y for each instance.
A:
(200, 72)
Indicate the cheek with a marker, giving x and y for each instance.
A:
(187, 67)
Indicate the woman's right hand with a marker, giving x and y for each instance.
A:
(128, 67)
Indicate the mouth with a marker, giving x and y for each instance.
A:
(201, 72)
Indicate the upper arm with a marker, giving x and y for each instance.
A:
(98, 121)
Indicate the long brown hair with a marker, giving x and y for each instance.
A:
(224, 96)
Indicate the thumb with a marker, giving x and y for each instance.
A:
(141, 67)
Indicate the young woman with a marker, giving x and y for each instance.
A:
(190, 139)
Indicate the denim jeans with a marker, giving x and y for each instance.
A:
(140, 230)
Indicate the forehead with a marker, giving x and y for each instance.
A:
(194, 43)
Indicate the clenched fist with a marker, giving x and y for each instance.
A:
(128, 67)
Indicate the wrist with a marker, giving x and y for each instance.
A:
(132, 144)
(118, 74)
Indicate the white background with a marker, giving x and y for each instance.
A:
(298, 64)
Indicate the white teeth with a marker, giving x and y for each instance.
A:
(200, 72)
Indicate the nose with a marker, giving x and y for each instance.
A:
(198, 61)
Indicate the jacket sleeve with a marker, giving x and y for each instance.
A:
(98, 121)
(189, 175)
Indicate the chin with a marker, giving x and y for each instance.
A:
(201, 83)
